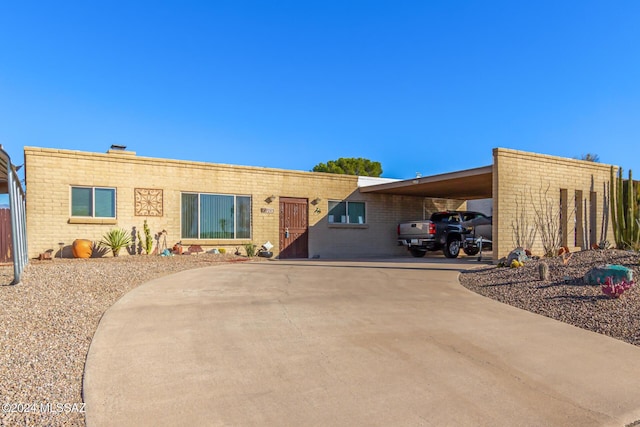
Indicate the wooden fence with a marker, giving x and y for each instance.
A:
(6, 250)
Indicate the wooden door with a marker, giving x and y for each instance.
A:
(294, 228)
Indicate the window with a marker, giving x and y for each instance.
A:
(93, 202)
(346, 213)
(215, 216)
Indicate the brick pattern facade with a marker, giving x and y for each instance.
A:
(582, 186)
(50, 173)
(577, 189)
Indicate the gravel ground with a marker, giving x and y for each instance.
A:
(573, 302)
(47, 323)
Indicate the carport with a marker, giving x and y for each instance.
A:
(568, 196)
(467, 184)
(470, 184)
(14, 237)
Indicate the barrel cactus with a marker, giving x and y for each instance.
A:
(543, 271)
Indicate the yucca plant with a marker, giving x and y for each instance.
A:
(116, 239)
(250, 248)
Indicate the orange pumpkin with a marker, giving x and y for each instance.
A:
(82, 248)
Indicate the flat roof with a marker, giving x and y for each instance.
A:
(467, 184)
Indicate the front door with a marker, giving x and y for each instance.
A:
(294, 228)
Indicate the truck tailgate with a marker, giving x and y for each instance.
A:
(408, 230)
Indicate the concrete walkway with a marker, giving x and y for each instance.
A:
(318, 343)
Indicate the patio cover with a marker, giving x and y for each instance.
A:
(467, 184)
(10, 184)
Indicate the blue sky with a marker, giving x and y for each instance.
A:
(421, 86)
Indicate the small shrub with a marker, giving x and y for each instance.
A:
(250, 249)
(222, 250)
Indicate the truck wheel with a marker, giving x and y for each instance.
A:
(452, 248)
(417, 252)
(471, 251)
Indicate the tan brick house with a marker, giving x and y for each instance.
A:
(73, 194)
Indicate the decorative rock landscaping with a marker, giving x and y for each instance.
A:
(47, 323)
(598, 275)
(571, 301)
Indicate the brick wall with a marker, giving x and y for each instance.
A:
(521, 179)
(50, 173)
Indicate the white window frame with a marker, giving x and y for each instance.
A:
(93, 200)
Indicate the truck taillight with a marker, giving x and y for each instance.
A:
(432, 228)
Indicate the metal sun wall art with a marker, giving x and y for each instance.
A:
(148, 202)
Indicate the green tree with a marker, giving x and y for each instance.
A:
(350, 166)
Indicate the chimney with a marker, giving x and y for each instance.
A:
(120, 149)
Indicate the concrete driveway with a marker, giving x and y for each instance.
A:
(318, 343)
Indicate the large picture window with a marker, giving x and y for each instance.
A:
(346, 212)
(215, 216)
(93, 202)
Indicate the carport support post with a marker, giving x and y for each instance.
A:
(17, 208)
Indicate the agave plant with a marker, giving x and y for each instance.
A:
(116, 239)
(250, 248)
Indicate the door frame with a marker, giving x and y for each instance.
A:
(301, 248)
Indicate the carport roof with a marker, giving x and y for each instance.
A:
(467, 184)
(5, 168)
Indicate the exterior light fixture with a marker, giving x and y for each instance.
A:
(270, 198)
(316, 201)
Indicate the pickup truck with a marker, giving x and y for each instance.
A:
(448, 231)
